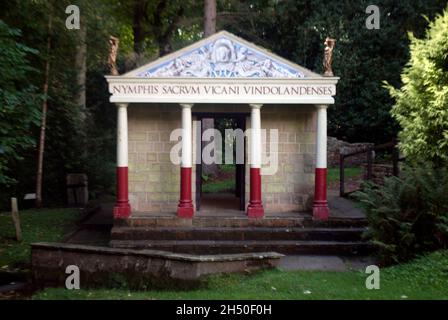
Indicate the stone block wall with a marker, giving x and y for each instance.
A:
(153, 180)
(335, 147)
(291, 188)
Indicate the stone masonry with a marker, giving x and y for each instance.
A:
(335, 147)
(292, 186)
(154, 180)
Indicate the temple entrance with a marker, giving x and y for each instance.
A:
(220, 187)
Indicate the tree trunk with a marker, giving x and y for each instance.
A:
(209, 29)
(209, 17)
(40, 157)
(81, 67)
(137, 26)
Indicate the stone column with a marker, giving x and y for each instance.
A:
(122, 209)
(185, 208)
(320, 206)
(255, 207)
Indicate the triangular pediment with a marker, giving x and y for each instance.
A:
(222, 55)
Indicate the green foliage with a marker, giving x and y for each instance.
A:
(83, 140)
(37, 226)
(77, 139)
(223, 181)
(408, 216)
(19, 102)
(422, 103)
(363, 59)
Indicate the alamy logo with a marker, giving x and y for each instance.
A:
(373, 20)
(73, 20)
(373, 280)
(233, 144)
(72, 281)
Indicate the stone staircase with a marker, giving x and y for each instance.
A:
(219, 235)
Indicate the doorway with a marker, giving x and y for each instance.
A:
(220, 187)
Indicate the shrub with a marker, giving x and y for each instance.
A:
(408, 215)
(421, 106)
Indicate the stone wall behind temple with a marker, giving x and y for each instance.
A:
(335, 147)
(154, 180)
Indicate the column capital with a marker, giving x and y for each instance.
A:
(186, 105)
(122, 105)
(322, 106)
(256, 105)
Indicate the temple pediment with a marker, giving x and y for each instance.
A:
(222, 55)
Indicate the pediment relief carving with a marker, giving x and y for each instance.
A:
(223, 58)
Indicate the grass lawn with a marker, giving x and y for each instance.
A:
(219, 186)
(423, 278)
(224, 182)
(228, 184)
(37, 225)
(333, 173)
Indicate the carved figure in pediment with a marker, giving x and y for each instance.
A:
(223, 58)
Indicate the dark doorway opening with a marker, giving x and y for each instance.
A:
(221, 186)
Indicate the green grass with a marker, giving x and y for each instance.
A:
(423, 278)
(219, 186)
(216, 186)
(333, 173)
(211, 185)
(37, 225)
(227, 167)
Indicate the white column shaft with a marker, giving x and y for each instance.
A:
(122, 135)
(321, 141)
(186, 161)
(255, 147)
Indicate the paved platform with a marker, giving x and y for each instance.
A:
(342, 207)
(324, 263)
(225, 205)
(95, 230)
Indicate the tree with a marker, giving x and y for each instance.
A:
(73, 142)
(81, 65)
(154, 24)
(421, 106)
(209, 123)
(363, 58)
(209, 17)
(19, 110)
(41, 149)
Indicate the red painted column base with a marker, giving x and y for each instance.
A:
(122, 212)
(122, 208)
(320, 205)
(255, 211)
(185, 208)
(321, 211)
(255, 208)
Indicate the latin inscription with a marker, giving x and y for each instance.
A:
(223, 90)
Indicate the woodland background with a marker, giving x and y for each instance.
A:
(37, 49)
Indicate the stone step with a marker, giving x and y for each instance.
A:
(237, 233)
(222, 247)
(231, 222)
